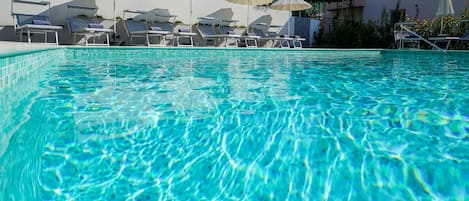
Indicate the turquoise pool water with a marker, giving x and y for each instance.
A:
(181, 124)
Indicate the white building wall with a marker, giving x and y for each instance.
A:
(180, 8)
(427, 8)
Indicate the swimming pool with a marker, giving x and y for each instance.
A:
(208, 124)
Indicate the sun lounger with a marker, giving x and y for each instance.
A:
(183, 37)
(85, 25)
(207, 30)
(249, 40)
(140, 29)
(33, 24)
(446, 40)
(283, 41)
(264, 38)
(88, 28)
(402, 37)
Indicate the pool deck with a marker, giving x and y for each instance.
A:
(7, 47)
(10, 47)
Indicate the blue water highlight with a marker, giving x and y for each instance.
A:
(207, 124)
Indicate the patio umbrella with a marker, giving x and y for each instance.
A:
(290, 5)
(249, 3)
(445, 8)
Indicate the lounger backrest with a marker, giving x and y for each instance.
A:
(165, 26)
(24, 19)
(226, 29)
(76, 24)
(258, 32)
(272, 34)
(206, 30)
(135, 26)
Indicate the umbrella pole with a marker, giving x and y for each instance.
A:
(289, 20)
(247, 18)
(114, 15)
(190, 17)
(441, 26)
(114, 19)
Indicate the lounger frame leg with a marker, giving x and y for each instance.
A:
(447, 45)
(297, 44)
(107, 39)
(21, 35)
(86, 39)
(148, 40)
(29, 36)
(45, 37)
(56, 38)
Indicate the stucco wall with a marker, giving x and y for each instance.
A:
(175, 7)
(59, 13)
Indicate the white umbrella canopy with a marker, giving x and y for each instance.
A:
(249, 3)
(290, 5)
(445, 8)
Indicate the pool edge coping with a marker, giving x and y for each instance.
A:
(380, 50)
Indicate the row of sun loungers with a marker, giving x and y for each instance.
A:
(403, 35)
(213, 31)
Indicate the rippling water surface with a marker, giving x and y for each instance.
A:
(175, 124)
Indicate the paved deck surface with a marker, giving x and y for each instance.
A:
(10, 47)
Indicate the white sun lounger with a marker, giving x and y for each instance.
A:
(34, 24)
(86, 25)
(445, 40)
(270, 37)
(283, 41)
(89, 29)
(167, 23)
(207, 30)
(31, 24)
(140, 29)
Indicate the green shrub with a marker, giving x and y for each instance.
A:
(356, 35)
